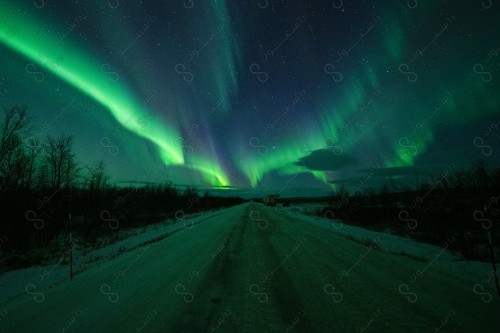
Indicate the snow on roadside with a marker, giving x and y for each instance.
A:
(438, 257)
(33, 279)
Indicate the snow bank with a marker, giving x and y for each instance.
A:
(441, 257)
(33, 279)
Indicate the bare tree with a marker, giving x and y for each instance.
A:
(15, 123)
(97, 178)
(32, 154)
(61, 161)
(12, 156)
(42, 179)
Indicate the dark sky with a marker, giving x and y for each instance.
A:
(297, 97)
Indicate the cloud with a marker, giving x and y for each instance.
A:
(325, 160)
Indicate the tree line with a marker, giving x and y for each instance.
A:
(463, 203)
(46, 193)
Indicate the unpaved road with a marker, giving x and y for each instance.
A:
(255, 269)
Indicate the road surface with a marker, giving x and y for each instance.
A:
(255, 269)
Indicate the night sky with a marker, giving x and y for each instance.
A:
(296, 97)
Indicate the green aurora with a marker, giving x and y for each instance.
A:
(371, 96)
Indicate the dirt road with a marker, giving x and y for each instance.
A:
(255, 269)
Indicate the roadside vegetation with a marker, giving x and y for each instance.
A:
(464, 205)
(46, 193)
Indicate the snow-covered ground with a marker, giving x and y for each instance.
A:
(17, 282)
(252, 268)
(440, 257)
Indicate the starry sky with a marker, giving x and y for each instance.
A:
(295, 97)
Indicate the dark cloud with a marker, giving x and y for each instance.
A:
(325, 160)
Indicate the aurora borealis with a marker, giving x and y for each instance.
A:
(259, 95)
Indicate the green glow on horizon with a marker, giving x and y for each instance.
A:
(211, 171)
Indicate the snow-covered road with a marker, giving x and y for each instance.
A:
(255, 269)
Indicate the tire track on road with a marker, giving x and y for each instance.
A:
(238, 294)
